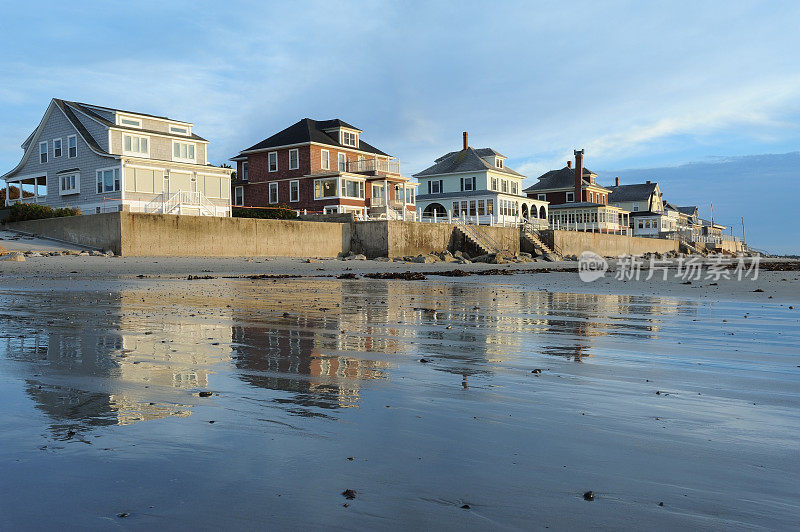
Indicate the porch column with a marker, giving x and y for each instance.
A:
(386, 196)
(8, 192)
(404, 202)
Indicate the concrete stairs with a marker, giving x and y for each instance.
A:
(543, 249)
(475, 237)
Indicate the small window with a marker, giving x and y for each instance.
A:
(273, 192)
(42, 152)
(238, 196)
(467, 184)
(498, 162)
(294, 159)
(131, 122)
(514, 189)
(183, 151)
(69, 184)
(342, 162)
(349, 139)
(108, 180)
(541, 197)
(435, 187)
(570, 196)
(72, 146)
(635, 207)
(245, 174)
(57, 148)
(135, 145)
(294, 191)
(325, 159)
(272, 160)
(181, 130)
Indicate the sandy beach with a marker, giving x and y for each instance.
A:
(135, 397)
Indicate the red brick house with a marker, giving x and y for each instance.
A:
(322, 166)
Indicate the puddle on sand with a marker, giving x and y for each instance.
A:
(303, 373)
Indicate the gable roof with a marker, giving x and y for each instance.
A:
(70, 114)
(636, 192)
(87, 110)
(562, 178)
(468, 160)
(308, 130)
(690, 211)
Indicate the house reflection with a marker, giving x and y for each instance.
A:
(85, 377)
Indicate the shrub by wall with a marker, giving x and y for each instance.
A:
(279, 212)
(20, 212)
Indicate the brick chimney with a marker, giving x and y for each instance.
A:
(578, 175)
(569, 164)
(466, 140)
(616, 181)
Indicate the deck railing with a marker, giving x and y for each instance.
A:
(374, 165)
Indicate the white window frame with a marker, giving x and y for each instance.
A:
(245, 171)
(44, 153)
(498, 162)
(68, 191)
(572, 194)
(541, 197)
(184, 159)
(341, 162)
(343, 137)
(60, 147)
(173, 128)
(635, 207)
(297, 159)
(136, 122)
(361, 194)
(292, 198)
(336, 188)
(438, 183)
(99, 174)
(236, 200)
(325, 159)
(136, 153)
(269, 161)
(69, 155)
(273, 186)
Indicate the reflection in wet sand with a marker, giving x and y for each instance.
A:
(335, 337)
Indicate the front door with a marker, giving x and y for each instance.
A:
(377, 195)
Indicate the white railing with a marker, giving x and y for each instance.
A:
(590, 227)
(372, 165)
(167, 203)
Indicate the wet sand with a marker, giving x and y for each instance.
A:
(649, 393)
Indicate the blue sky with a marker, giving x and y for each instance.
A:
(640, 85)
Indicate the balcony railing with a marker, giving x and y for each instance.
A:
(374, 166)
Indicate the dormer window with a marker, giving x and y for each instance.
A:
(180, 130)
(349, 139)
(130, 122)
(498, 162)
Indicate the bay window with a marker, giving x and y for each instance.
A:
(325, 188)
(69, 184)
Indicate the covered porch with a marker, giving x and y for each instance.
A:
(31, 189)
(590, 217)
(392, 198)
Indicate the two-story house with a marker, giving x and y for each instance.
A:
(577, 201)
(323, 166)
(644, 202)
(475, 184)
(100, 159)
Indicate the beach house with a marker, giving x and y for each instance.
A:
(101, 159)
(577, 201)
(644, 202)
(475, 184)
(323, 166)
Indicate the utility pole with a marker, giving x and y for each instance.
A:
(744, 240)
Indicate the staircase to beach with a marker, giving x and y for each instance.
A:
(543, 249)
(473, 234)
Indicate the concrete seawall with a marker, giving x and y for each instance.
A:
(576, 242)
(158, 235)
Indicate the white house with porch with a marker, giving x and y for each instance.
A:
(100, 159)
(475, 185)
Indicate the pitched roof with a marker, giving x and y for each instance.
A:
(86, 109)
(688, 210)
(636, 192)
(563, 178)
(308, 130)
(113, 110)
(468, 160)
(70, 114)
